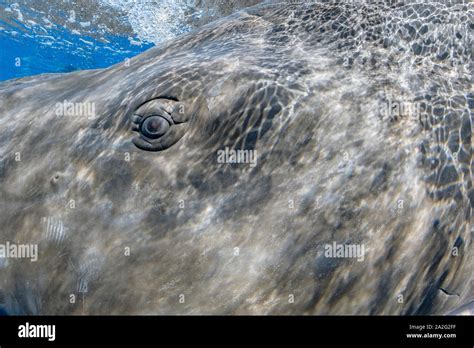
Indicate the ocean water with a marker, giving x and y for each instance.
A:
(58, 36)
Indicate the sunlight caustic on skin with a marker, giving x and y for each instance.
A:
(359, 201)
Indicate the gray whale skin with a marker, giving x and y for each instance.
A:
(359, 116)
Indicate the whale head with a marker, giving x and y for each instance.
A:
(232, 169)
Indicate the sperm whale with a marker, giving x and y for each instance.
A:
(359, 117)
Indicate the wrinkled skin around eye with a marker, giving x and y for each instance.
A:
(158, 124)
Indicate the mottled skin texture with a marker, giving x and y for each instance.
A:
(302, 85)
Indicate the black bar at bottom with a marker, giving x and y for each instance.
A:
(133, 330)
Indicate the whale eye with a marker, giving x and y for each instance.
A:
(160, 123)
(154, 127)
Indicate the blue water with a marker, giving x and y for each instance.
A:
(33, 49)
(26, 56)
(56, 36)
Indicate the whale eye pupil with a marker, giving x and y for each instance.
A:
(154, 126)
